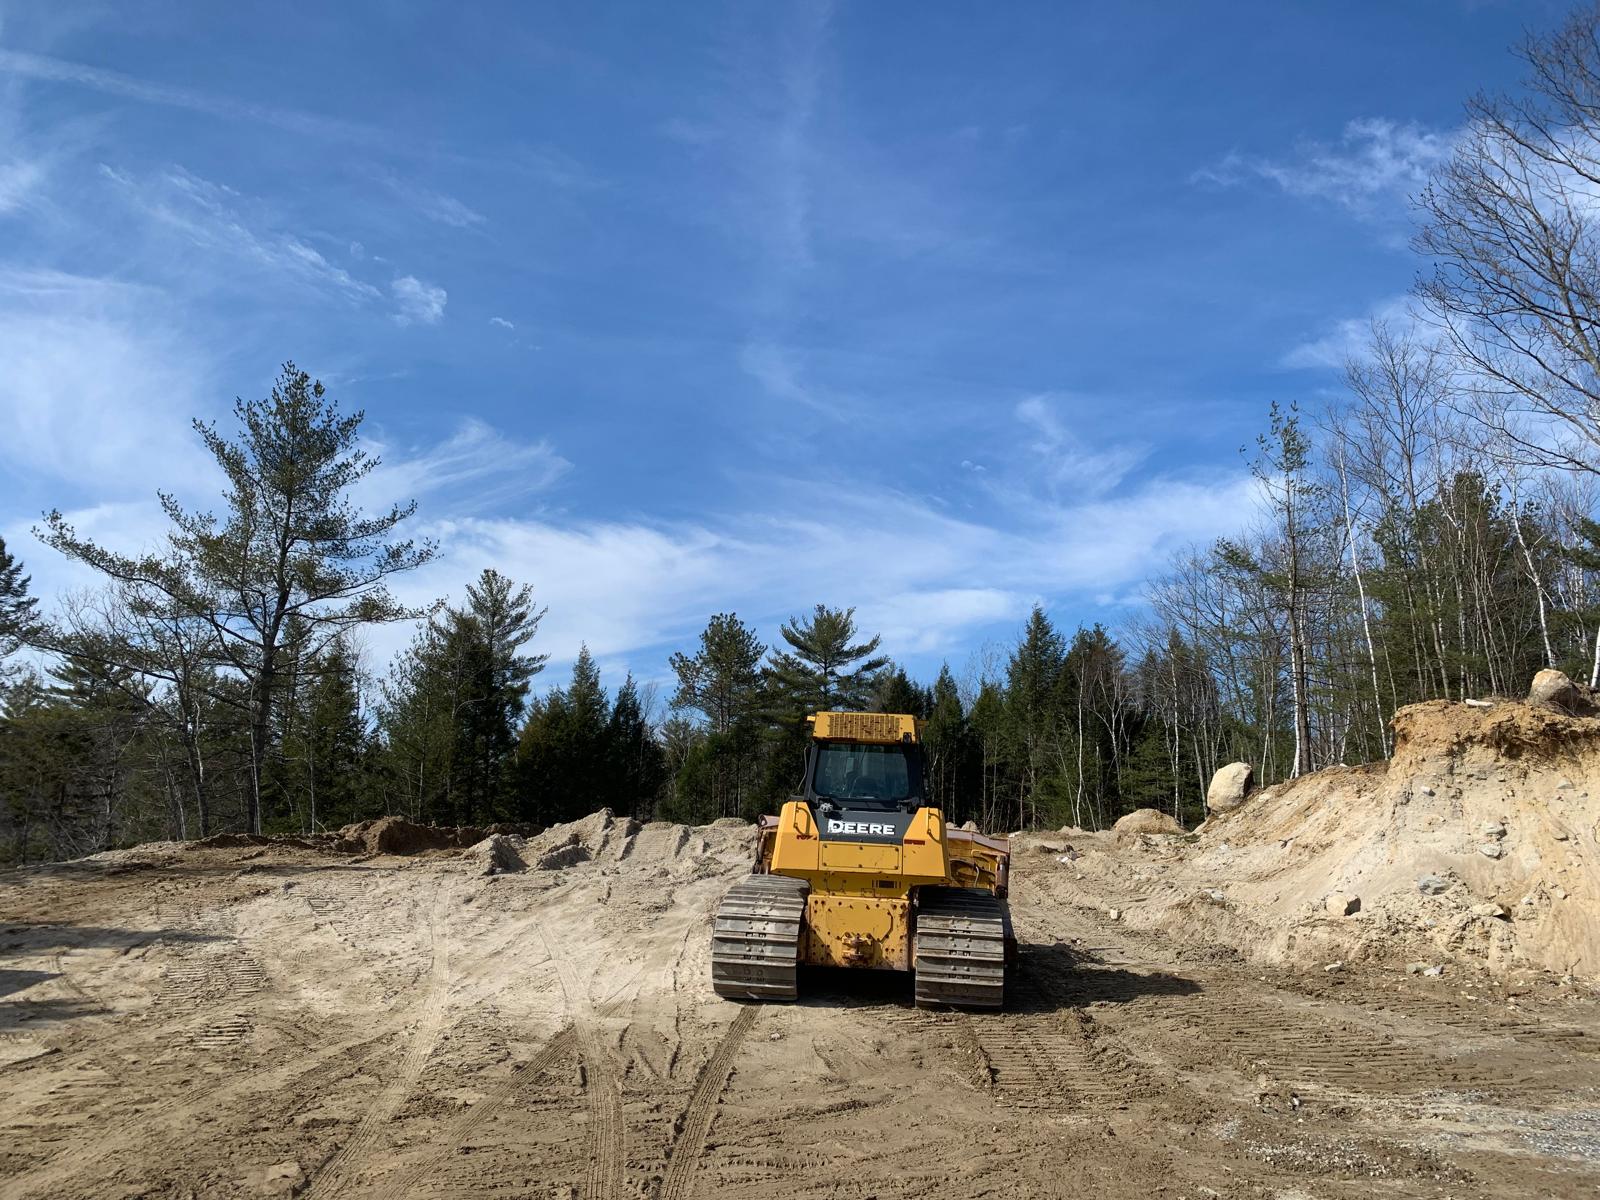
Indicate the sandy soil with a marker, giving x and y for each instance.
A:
(275, 1021)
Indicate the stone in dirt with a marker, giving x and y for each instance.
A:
(1342, 904)
(1433, 885)
(280, 1179)
(1555, 690)
(1491, 849)
(1229, 787)
(1146, 820)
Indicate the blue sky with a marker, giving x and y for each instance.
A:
(930, 309)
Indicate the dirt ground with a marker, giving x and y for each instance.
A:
(278, 1021)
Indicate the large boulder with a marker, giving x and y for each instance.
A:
(1229, 787)
(1146, 820)
(1555, 690)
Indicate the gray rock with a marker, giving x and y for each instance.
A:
(1555, 691)
(1491, 849)
(1432, 885)
(1229, 787)
(1492, 829)
(1492, 911)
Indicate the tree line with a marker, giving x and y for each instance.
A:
(1428, 533)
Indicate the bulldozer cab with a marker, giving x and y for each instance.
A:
(864, 775)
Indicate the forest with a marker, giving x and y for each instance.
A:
(1427, 532)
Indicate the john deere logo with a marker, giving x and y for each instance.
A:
(861, 827)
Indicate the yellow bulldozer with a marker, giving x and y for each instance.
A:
(860, 871)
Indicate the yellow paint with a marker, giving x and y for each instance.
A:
(879, 728)
(858, 911)
(866, 932)
(860, 856)
(926, 858)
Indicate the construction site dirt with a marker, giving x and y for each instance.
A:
(274, 1020)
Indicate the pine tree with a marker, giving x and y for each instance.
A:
(634, 756)
(723, 679)
(292, 545)
(827, 669)
(563, 752)
(896, 693)
(949, 751)
(18, 610)
(1033, 708)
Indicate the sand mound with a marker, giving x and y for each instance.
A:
(498, 854)
(1479, 841)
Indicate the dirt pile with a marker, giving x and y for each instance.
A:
(604, 838)
(1479, 843)
(498, 854)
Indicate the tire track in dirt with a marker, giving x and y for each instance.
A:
(336, 1175)
(175, 1112)
(690, 1144)
(602, 1087)
(458, 1131)
(602, 1091)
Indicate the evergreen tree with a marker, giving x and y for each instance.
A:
(18, 610)
(292, 545)
(636, 761)
(825, 668)
(952, 782)
(723, 679)
(1033, 709)
(896, 693)
(723, 682)
(564, 750)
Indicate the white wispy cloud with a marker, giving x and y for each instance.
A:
(48, 69)
(777, 369)
(1346, 339)
(477, 464)
(420, 303)
(19, 180)
(99, 382)
(1375, 163)
(1069, 463)
(631, 590)
(501, 322)
(216, 219)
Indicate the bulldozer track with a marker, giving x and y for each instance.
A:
(1043, 1063)
(959, 951)
(457, 1132)
(66, 1173)
(755, 938)
(335, 1176)
(602, 1092)
(695, 1125)
(1255, 1033)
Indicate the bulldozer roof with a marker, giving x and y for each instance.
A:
(864, 727)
